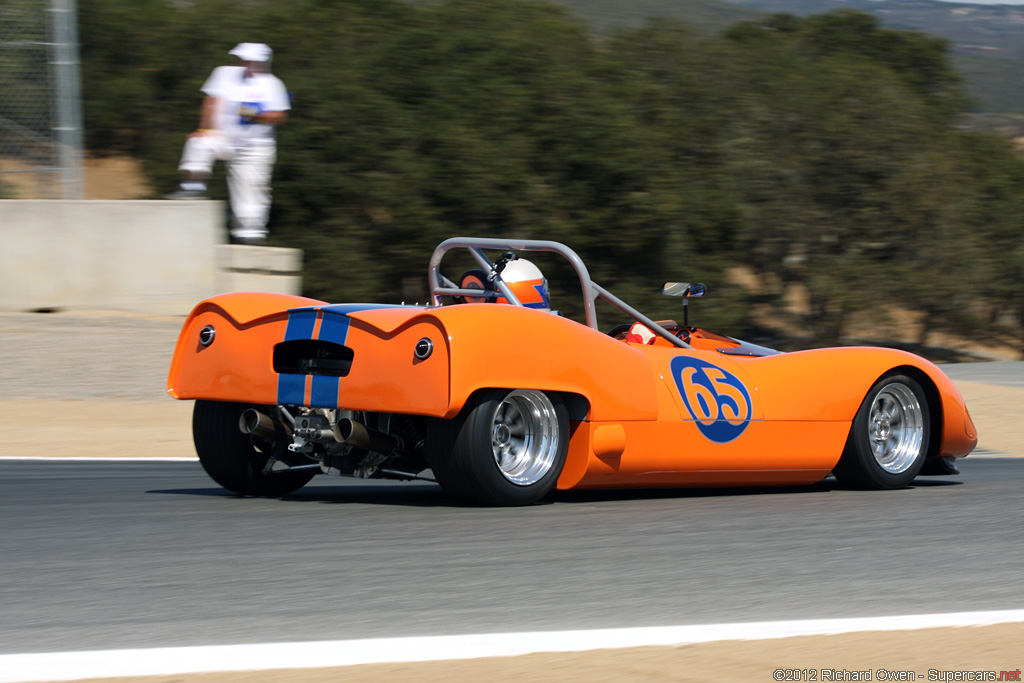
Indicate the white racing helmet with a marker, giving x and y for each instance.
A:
(524, 279)
(527, 283)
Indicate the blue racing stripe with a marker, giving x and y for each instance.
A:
(334, 328)
(324, 392)
(301, 322)
(291, 389)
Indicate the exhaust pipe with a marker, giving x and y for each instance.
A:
(355, 434)
(263, 426)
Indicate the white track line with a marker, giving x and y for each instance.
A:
(68, 666)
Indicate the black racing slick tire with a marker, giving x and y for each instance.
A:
(889, 438)
(505, 448)
(236, 460)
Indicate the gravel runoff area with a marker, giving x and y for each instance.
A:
(86, 355)
(95, 384)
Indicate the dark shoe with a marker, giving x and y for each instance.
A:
(186, 194)
(251, 241)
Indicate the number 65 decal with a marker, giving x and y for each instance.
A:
(715, 398)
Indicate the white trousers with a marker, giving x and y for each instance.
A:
(249, 169)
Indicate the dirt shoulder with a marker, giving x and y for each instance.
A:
(996, 412)
(97, 429)
(929, 654)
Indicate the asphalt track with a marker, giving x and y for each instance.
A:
(103, 555)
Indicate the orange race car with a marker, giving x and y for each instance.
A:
(500, 404)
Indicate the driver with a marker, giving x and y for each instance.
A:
(522, 277)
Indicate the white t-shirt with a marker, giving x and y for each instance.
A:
(238, 94)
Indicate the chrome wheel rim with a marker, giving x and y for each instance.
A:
(896, 428)
(524, 437)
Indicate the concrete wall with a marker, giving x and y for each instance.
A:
(149, 256)
(258, 269)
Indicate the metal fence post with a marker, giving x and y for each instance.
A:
(67, 95)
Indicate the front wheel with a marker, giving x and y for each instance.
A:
(236, 460)
(504, 448)
(888, 441)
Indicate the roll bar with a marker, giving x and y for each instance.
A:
(442, 286)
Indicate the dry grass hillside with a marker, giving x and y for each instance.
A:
(116, 177)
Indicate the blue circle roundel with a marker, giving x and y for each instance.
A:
(715, 398)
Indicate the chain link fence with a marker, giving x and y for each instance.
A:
(40, 100)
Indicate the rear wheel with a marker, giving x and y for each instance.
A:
(236, 460)
(504, 448)
(888, 441)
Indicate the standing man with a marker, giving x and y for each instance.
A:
(243, 104)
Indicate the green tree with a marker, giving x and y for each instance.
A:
(826, 127)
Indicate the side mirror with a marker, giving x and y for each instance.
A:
(690, 290)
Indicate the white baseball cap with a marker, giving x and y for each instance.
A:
(252, 52)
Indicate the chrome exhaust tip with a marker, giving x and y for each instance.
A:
(350, 432)
(261, 425)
